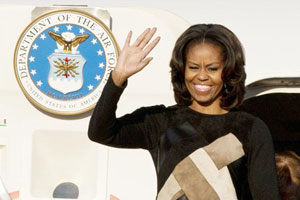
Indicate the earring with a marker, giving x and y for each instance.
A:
(226, 90)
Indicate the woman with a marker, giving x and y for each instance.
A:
(288, 171)
(202, 147)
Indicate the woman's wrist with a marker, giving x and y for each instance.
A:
(118, 78)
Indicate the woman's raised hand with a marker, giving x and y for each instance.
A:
(133, 57)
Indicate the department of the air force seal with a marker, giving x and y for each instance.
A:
(63, 60)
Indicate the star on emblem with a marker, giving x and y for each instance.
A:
(35, 46)
(81, 31)
(31, 59)
(97, 77)
(69, 27)
(94, 41)
(33, 72)
(101, 65)
(90, 87)
(56, 29)
(39, 83)
(100, 53)
(43, 36)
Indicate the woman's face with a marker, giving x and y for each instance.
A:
(203, 75)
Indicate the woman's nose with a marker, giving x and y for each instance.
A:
(202, 75)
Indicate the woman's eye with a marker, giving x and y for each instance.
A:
(213, 68)
(193, 67)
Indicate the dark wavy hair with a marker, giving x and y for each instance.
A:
(233, 74)
(288, 172)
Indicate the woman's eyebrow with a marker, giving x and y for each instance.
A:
(194, 63)
(218, 63)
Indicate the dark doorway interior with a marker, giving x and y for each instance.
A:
(281, 113)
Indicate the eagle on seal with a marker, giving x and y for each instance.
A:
(67, 40)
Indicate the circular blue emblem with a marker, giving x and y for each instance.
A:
(63, 60)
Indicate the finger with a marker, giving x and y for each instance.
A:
(151, 46)
(141, 37)
(147, 38)
(144, 63)
(127, 42)
(14, 195)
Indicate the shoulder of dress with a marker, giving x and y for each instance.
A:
(172, 107)
(252, 122)
(152, 110)
(243, 115)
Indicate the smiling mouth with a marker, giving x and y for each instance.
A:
(203, 88)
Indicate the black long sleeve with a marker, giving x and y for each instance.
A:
(261, 164)
(136, 130)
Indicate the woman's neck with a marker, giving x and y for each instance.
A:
(212, 109)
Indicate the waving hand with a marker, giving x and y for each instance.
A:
(133, 58)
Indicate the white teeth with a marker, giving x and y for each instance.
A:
(202, 86)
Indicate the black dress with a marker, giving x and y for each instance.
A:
(197, 156)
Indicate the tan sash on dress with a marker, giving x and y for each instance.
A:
(204, 175)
